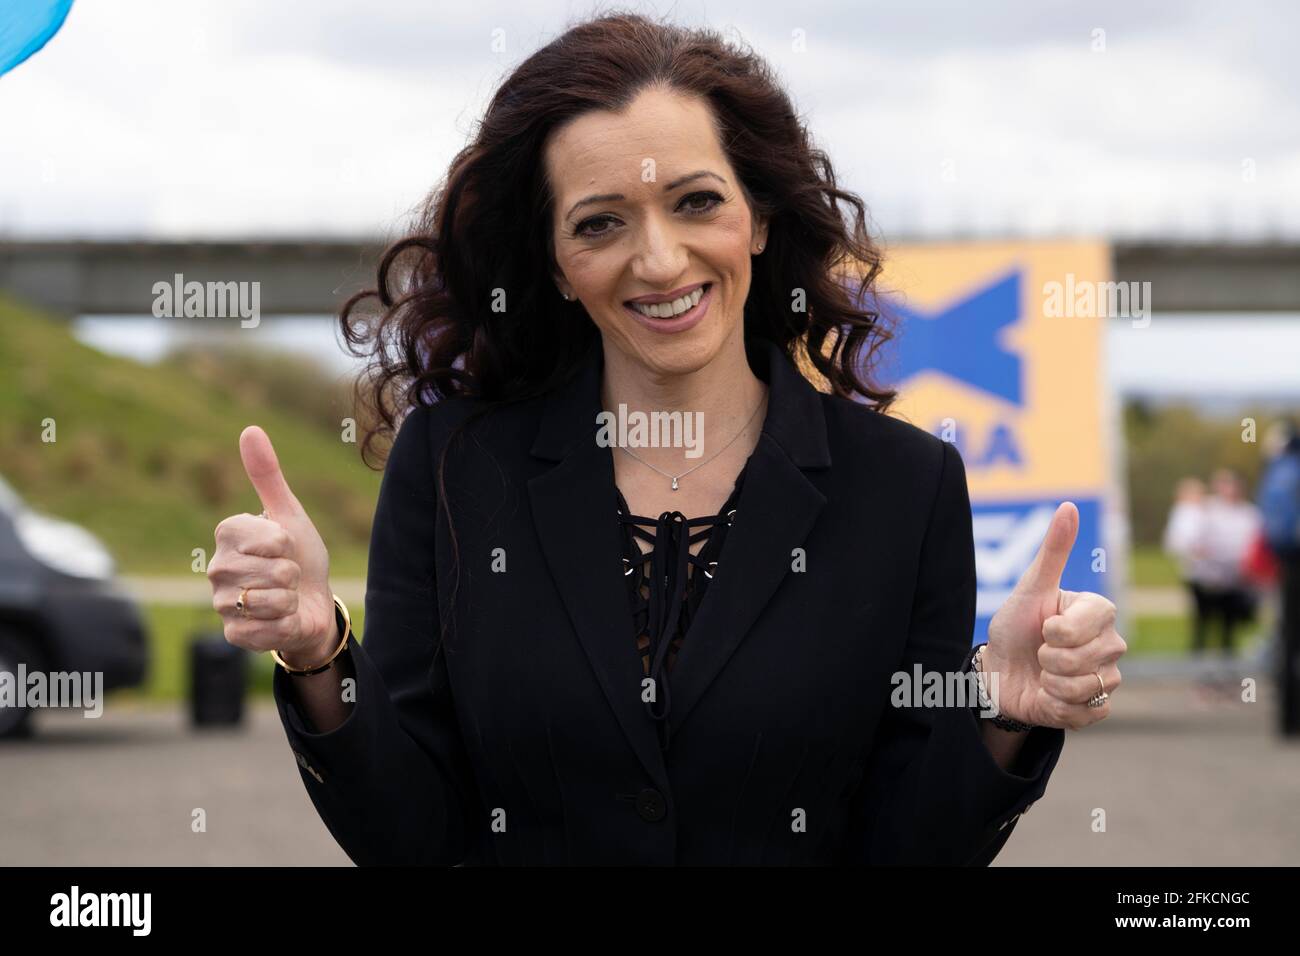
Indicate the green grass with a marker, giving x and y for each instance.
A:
(171, 631)
(1159, 635)
(1151, 568)
(1173, 635)
(147, 457)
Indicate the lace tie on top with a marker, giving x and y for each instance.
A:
(665, 615)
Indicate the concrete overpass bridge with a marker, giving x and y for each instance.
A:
(314, 276)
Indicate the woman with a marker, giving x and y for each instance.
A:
(1184, 540)
(641, 226)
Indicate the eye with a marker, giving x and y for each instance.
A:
(581, 228)
(712, 200)
(690, 204)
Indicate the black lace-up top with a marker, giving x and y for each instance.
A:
(667, 583)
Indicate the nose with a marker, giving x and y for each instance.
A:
(660, 258)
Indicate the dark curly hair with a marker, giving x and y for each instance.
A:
(488, 227)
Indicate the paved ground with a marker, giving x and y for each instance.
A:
(120, 791)
(1183, 780)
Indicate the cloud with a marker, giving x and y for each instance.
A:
(336, 118)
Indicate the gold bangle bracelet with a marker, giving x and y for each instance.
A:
(344, 621)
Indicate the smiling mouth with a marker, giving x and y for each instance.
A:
(669, 310)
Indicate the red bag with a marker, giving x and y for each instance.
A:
(1259, 566)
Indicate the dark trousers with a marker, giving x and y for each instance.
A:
(1227, 608)
(1289, 659)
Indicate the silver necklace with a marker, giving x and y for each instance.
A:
(707, 460)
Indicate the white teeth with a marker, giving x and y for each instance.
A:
(664, 310)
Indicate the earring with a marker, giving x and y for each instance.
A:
(759, 249)
(565, 296)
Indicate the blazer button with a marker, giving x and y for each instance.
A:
(651, 805)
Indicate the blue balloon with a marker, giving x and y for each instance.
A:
(26, 26)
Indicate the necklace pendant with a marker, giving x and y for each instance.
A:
(674, 484)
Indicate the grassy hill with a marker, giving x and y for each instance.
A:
(147, 457)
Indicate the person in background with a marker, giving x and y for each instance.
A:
(1182, 539)
(1230, 526)
(1279, 504)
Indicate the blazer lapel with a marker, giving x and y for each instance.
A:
(775, 513)
(573, 510)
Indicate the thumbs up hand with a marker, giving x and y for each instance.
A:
(278, 564)
(1049, 647)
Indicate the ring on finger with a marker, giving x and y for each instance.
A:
(1099, 698)
(241, 604)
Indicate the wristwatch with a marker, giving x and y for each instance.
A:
(973, 660)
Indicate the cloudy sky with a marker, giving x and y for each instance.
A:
(288, 117)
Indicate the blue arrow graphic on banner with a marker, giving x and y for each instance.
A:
(26, 26)
(961, 341)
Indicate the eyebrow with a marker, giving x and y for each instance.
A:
(617, 197)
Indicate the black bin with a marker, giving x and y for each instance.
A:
(218, 679)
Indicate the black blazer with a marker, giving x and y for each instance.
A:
(527, 742)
